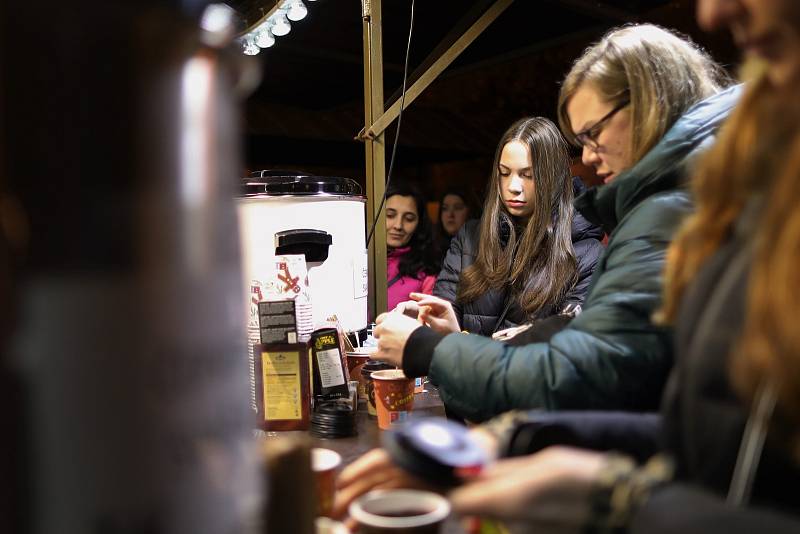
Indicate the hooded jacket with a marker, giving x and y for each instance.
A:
(481, 315)
(702, 421)
(611, 356)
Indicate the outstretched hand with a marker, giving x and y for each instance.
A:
(436, 313)
(374, 470)
(550, 490)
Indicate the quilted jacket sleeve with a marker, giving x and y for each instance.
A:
(610, 357)
(588, 252)
(447, 281)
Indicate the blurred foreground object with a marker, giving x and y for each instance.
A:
(120, 142)
(287, 460)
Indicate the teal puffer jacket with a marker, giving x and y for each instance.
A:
(611, 356)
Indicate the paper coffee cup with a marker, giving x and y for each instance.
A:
(324, 463)
(394, 511)
(326, 525)
(355, 362)
(394, 397)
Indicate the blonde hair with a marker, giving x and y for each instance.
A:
(538, 263)
(660, 72)
(757, 155)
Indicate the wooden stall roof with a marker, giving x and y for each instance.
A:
(313, 78)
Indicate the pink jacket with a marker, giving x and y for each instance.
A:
(399, 290)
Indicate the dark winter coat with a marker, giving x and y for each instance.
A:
(701, 422)
(611, 356)
(481, 315)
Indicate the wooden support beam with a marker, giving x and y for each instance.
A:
(375, 153)
(383, 121)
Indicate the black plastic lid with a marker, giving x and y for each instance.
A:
(374, 365)
(297, 183)
(434, 449)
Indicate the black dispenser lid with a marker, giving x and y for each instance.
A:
(277, 182)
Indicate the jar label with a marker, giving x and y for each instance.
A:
(330, 368)
(281, 385)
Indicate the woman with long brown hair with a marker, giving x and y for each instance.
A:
(729, 430)
(637, 83)
(529, 256)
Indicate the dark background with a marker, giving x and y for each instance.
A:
(309, 107)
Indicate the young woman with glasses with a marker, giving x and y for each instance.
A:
(730, 422)
(637, 100)
(731, 417)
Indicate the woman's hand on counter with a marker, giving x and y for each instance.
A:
(436, 313)
(392, 331)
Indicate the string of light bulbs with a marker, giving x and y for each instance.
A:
(278, 24)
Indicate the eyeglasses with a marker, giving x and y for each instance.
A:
(588, 137)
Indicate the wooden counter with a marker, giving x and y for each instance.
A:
(426, 404)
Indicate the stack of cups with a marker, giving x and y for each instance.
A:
(305, 318)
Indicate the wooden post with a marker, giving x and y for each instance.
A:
(375, 150)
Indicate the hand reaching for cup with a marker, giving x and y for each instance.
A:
(392, 331)
(374, 470)
(377, 470)
(437, 313)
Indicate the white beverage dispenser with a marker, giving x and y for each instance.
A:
(321, 217)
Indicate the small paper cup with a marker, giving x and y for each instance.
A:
(324, 463)
(394, 397)
(355, 361)
(395, 511)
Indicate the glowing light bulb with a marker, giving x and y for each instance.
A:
(264, 38)
(250, 48)
(297, 11)
(280, 24)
